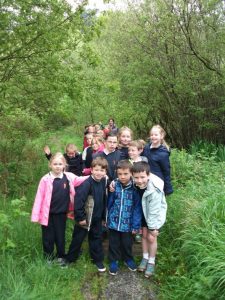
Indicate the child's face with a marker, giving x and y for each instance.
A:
(95, 146)
(98, 172)
(125, 138)
(57, 166)
(71, 153)
(141, 179)
(155, 136)
(124, 175)
(111, 143)
(133, 152)
(89, 139)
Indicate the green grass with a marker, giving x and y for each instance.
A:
(191, 252)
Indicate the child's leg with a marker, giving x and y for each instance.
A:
(78, 237)
(114, 245)
(152, 242)
(126, 246)
(145, 243)
(60, 230)
(48, 238)
(95, 242)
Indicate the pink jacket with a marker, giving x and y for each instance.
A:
(41, 207)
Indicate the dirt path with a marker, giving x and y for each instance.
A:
(129, 285)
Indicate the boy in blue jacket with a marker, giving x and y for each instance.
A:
(124, 218)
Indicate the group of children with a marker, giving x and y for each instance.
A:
(120, 194)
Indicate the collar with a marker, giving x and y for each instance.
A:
(53, 176)
(107, 152)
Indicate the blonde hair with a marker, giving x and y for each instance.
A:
(163, 134)
(101, 162)
(142, 142)
(58, 155)
(71, 147)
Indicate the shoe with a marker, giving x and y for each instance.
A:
(143, 265)
(149, 270)
(131, 265)
(113, 268)
(101, 267)
(138, 238)
(64, 264)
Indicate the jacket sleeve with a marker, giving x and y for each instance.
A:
(154, 209)
(79, 179)
(165, 167)
(48, 156)
(137, 211)
(81, 196)
(35, 215)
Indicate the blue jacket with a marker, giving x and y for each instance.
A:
(158, 159)
(124, 208)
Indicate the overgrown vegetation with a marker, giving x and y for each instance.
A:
(191, 245)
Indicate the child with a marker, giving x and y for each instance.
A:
(134, 150)
(89, 138)
(157, 153)
(124, 218)
(125, 137)
(95, 186)
(89, 130)
(154, 213)
(54, 194)
(72, 156)
(111, 155)
(97, 146)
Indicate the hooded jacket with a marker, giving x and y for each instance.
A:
(158, 159)
(154, 204)
(124, 208)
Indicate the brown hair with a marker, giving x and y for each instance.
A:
(136, 144)
(124, 164)
(140, 166)
(99, 161)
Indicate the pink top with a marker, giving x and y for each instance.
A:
(42, 202)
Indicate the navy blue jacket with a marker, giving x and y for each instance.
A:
(124, 208)
(158, 159)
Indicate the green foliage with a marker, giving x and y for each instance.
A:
(191, 257)
(206, 150)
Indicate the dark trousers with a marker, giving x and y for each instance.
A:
(120, 245)
(94, 240)
(54, 234)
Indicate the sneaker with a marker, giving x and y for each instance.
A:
(64, 264)
(113, 268)
(131, 265)
(149, 270)
(101, 267)
(138, 238)
(143, 265)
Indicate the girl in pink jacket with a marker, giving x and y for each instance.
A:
(55, 196)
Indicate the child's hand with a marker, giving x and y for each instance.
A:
(112, 186)
(83, 223)
(134, 231)
(47, 150)
(140, 231)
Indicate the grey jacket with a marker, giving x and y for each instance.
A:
(154, 204)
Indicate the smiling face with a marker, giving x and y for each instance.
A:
(125, 138)
(141, 179)
(57, 166)
(133, 152)
(98, 172)
(156, 137)
(124, 175)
